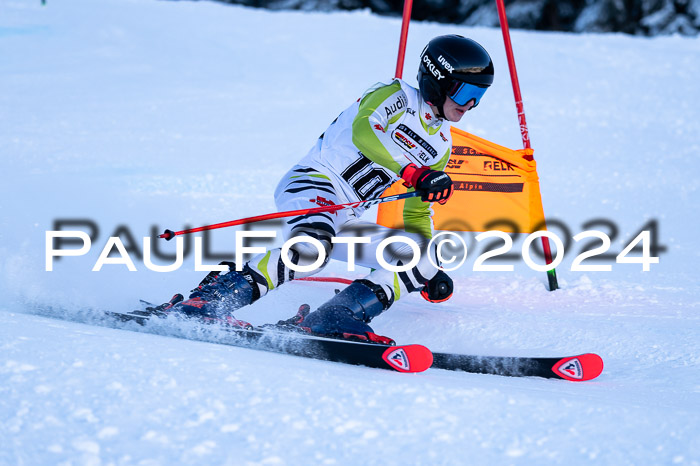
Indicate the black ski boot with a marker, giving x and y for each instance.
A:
(219, 295)
(215, 298)
(348, 313)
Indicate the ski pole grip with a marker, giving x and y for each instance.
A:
(168, 235)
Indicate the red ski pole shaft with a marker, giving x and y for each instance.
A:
(169, 234)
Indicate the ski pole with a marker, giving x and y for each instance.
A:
(169, 234)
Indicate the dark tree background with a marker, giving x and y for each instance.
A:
(641, 17)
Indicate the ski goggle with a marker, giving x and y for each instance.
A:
(464, 92)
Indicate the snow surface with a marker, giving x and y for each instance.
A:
(164, 114)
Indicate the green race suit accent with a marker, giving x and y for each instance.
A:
(368, 145)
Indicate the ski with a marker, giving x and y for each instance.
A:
(402, 358)
(572, 368)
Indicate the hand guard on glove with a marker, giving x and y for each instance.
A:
(433, 185)
(438, 289)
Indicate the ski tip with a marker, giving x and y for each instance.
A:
(408, 358)
(579, 368)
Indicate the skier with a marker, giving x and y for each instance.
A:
(393, 132)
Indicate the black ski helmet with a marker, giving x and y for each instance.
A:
(447, 62)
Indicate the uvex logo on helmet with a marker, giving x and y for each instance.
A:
(446, 64)
(432, 68)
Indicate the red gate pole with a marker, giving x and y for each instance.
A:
(551, 274)
(407, 7)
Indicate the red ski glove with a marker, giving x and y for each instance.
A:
(432, 185)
